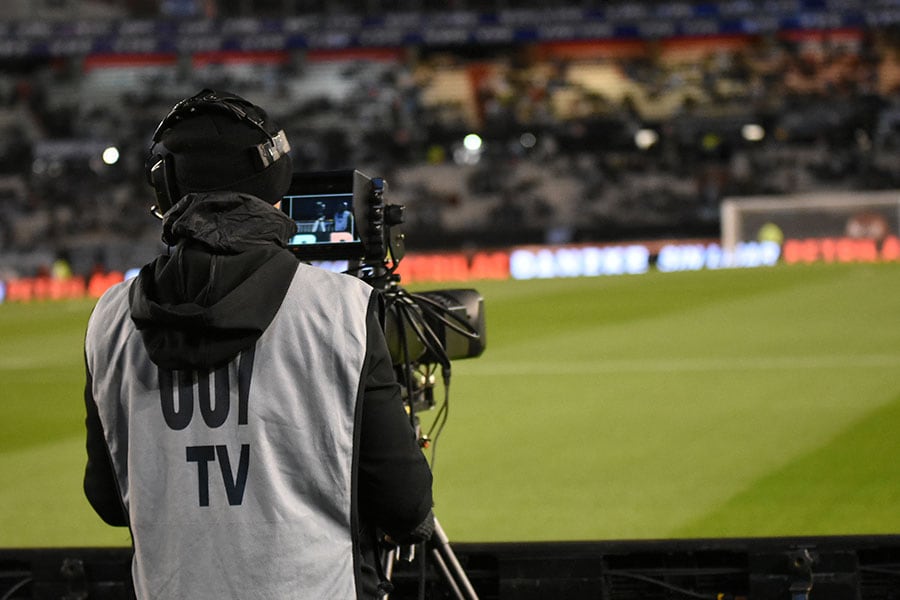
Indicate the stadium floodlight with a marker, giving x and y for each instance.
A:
(110, 155)
(645, 138)
(753, 132)
(472, 142)
(470, 151)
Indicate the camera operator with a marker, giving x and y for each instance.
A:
(243, 415)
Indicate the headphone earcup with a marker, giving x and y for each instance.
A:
(161, 176)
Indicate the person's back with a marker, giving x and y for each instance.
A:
(243, 416)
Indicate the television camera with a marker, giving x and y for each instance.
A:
(343, 216)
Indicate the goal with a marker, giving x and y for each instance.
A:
(839, 214)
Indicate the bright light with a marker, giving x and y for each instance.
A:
(470, 151)
(461, 156)
(753, 132)
(472, 142)
(645, 138)
(111, 155)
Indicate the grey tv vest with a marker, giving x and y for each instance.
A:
(239, 483)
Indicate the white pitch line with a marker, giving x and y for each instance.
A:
(13, 363)
(674, 365)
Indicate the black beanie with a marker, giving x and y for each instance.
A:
(215, 151)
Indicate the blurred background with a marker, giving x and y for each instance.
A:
(495, 123)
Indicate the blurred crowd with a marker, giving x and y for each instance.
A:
(572, 142)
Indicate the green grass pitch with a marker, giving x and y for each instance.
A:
(706, 404)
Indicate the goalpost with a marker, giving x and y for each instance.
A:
(837, 214)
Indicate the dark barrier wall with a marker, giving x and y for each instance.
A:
(820, 568)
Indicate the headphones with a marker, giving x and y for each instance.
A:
(160, 166)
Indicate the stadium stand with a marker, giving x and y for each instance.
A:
(562, 158)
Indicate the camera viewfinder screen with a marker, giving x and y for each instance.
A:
(321, 218)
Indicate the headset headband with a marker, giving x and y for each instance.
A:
(209, 100)
(206, 100)
(160, 170)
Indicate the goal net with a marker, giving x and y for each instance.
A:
(839, 214)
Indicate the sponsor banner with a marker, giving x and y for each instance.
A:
(454, 267)
(541, 262)
(694, 257)
(584, 261)
(841, 250)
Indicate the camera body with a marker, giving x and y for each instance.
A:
(342, 215)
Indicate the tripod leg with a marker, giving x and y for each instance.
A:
(448, 576)
(444, 558)
(447, 560)
(388, 559)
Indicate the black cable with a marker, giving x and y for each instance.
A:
(441, 411)
(439, 311)
(424, 331)
(417, 312)
(440, 421)
(9, 593)
(408, 372)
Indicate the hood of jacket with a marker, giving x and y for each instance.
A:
(220, 285)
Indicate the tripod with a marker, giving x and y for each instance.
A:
(442, 554)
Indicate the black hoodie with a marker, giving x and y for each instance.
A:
(219, 289)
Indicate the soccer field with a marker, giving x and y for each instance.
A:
(726, 403)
